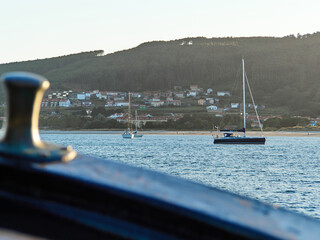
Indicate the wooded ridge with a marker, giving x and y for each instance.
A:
(283, 72)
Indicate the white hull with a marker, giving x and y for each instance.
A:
(128, 135)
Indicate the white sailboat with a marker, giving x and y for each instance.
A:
(128, 132)
(228, 135)
(136, 131)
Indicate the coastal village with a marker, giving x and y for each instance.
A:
(207, 98)
(217, 103)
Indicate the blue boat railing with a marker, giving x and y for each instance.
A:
(55, 193)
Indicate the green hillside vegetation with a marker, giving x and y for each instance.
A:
(283, 72)
(75, 118)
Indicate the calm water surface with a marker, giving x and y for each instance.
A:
(285, 171)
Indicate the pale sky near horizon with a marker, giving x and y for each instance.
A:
(36, 29)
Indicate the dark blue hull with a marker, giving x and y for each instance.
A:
(240, 140)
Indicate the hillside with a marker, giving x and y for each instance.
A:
(283, 72)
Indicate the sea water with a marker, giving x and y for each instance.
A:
(285, 171)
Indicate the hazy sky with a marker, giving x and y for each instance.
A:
(34, 29)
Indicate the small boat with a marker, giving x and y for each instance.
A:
(229, 136)
(136, 134)
(128, 134)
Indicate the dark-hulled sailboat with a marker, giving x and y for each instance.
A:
(229, 136)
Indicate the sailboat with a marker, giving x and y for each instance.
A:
(136, 131)
(228, 135)
(128, 132)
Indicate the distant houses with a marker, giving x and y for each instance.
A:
(207, 101)
(173, 102)
(190, 42)
(49, 103)
(177, 97)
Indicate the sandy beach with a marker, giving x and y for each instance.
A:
(249, 133)
(209, 133)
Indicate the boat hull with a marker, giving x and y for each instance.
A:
(128, 135)
(240, 140)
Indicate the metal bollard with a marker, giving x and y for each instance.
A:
(21, 138)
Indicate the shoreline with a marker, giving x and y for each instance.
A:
(205, 133)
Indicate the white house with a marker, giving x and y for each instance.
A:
(118, 98)
(86, 103)
(108, 95)
(103, 95)
(235, 105)
(209, 90)
(157, 103)
(98, 95)
(81, 96)
(64, 103)
(53, 103)
(210, 100)
(194, 87)
(192, 94)
(223, 94)
(136, 95)
(212, 108)
(179, 94)
(45, 103)
(121, 104)
(252, 106)
(94, 92)
(88, 96)
(174, 102)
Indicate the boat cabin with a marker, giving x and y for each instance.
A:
(228, 134)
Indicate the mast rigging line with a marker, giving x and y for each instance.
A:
(254, 105)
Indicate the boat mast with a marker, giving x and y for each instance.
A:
(244, 98)
(136, 122)
(129, 112)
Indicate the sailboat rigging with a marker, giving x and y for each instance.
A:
(136, 134)
(128, 132)
(228, 134)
